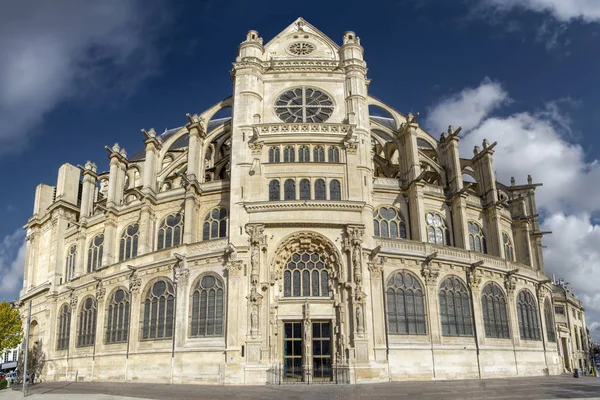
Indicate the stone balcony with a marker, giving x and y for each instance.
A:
(454, 255)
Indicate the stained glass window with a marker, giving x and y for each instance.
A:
(455, 308)
(170, 231)
(388, 223)
(207, 307)
(215, 224)
(493, 307)
(304, 104)
(306, 275)
(158, 310)
(405, 305)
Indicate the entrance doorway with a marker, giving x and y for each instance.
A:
(302, 362)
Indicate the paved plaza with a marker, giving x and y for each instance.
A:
(555, 387)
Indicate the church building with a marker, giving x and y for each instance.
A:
(316, 235)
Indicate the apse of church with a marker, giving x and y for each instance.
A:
(317, 235)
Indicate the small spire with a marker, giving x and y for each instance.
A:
(529, 180)
(512, 181)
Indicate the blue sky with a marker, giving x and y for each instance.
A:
(76, 76)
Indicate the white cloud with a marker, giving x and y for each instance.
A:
(561, 10)
(12, 264)
(51, 51)
(471, 104)
(539, 143)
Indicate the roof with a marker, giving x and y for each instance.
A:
(182, 141)
(387, 122)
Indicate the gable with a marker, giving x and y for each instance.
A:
(301, 40)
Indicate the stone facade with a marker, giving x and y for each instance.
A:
(305, 238)
(574, 344)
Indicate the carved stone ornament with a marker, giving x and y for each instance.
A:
(73, 301)
(375, 270)
(542, 292)
(256, 147)
(474, 279)
(430, 274)
(234, 269)
(182, 275)
(510, 283)
(135, 283)
(351, 147)
(100, 292)
(254, 297)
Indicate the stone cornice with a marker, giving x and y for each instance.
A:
(283, 128)
(266, 206)
(304, 65)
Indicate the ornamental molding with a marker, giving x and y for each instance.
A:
(182, 276)
(375, 270)
(302, 128)
(256, 207)
(430, 274)
(510, 283)
(73, 301)
(302, 65)
(135, 283)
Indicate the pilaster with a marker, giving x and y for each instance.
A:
(377, 309)
(430, 273)
(87, 192)
(459, 221)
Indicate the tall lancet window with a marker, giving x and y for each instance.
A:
(86, 332)
(95, 253)
(158, 310)
(207, 307)
(117, 321)
(493, 307)
(170, 232)
(455, 308)
(70, 263)
(527, 314)
(128, 245)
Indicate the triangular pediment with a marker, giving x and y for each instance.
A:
(301, 40)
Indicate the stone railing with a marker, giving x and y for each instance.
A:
(302, 128)
(447, 253)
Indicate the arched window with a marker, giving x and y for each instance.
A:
(455, 308)
(549, 316)
(335, 190)
(303, 154)
(215, 224)
(405, 305)
(388, 223)
(274, 191)
(95, 253)
(86, 332)
(476, 238)
(319, 189)
(64, 328)
(289, 190)
(274, 154)
(527, 313)
(207, 307)
(289, 154)
(319, 154)
(333, 154)
(70, 263)
(437, 229)
(304, 189)
(508, 248)
(128, 245)
(170, 231)
(493, 307)
(306, 275)
(117, 321)
(158, 310)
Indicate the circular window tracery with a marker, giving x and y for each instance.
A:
(304, 104)
(301, 48)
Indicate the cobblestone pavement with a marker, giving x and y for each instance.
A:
(555, 387)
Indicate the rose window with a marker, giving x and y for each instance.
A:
(304, 104)
(301, 48)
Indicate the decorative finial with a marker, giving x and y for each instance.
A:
(123, 152)
(300, 25)
(486, 144)
(512, 181)
(529, 180)
(476, 150)
(116, 148)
